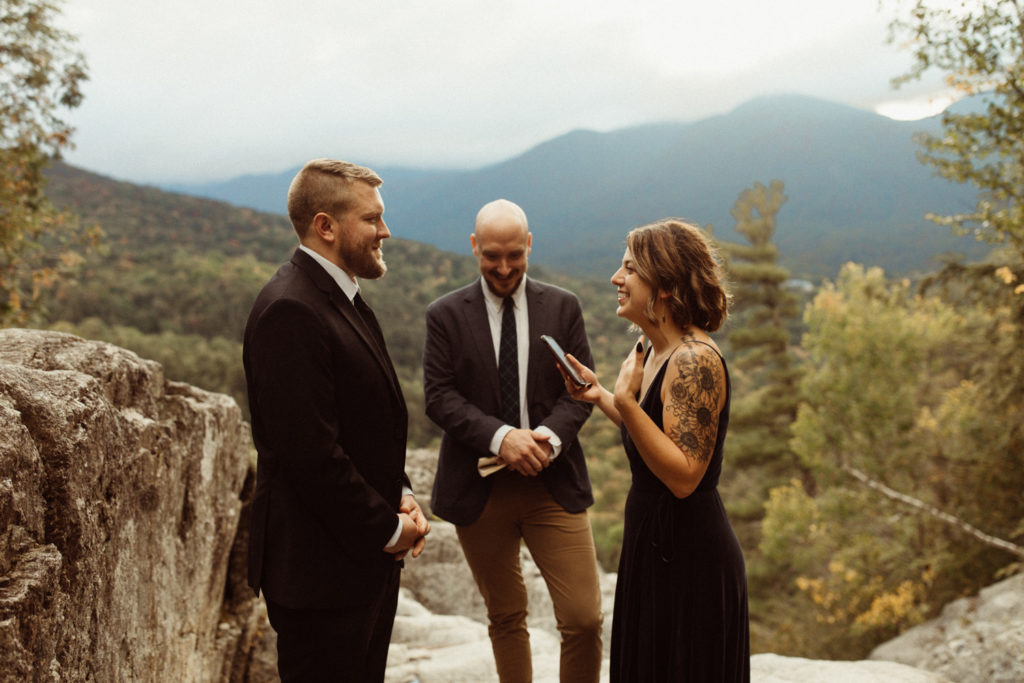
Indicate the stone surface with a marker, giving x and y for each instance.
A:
(120, 495)
(979, 639)
(769, 668)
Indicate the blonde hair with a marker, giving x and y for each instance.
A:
(322, 185)
(675, 257)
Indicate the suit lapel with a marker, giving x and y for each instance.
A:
(537, 317)
(341, 303)
(478, 327)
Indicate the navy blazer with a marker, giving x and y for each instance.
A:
(460, 379)
(329, 422)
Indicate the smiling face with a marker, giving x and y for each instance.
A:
(359, 231)
(501, 243)
(633, 293)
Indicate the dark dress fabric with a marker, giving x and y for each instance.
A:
(681, 594)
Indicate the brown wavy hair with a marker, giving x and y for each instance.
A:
(676, 257)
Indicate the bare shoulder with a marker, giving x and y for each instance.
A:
(693, 394)
(697, 362)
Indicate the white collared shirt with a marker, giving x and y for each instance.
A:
(345, 281)
(350, 288)
(494, 314)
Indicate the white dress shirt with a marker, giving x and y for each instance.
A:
(494, 314)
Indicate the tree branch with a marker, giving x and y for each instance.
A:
(933, 511)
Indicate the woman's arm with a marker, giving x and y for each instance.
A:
(693, 393)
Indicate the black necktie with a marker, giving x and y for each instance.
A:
(508, 365)
(370, 319)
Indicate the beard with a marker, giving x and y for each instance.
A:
(365, 262)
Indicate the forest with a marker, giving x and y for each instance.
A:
(876, 454)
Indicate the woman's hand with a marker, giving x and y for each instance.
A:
(631, 376)
(589, 394)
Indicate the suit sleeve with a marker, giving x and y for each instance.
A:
(568, 415)
(296, 423)
(446, 349)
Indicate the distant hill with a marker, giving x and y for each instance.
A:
(856, 189)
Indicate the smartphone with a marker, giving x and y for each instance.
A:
(563, 362)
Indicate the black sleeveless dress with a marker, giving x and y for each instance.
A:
(681, 593)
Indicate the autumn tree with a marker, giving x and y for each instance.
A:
(979, 46)
(913, 479)
(40, 78)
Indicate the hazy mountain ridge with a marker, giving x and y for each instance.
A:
(856, 188)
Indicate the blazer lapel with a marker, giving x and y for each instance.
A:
(341, 303)
(478, 327)
(537, 317)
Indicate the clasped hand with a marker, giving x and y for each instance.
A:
(526, 451)
(415, 528)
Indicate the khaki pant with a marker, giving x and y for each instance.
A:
(562, 545)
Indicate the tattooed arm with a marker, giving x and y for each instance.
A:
(693, 394)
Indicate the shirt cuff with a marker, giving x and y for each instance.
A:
(498, 437)
(556, 443)
(406, 491)
(395, 536)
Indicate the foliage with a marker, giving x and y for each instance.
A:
(765, 378)
(40, 75)
(894, 388)
(979, 45)
(764, 369)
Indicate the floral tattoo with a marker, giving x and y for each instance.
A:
(692, 402)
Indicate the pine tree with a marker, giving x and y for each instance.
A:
(764, 365)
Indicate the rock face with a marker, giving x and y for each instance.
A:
(120, 496)
(975, 640)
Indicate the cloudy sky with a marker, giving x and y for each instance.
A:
(204, 90)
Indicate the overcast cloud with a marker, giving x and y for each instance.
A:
(199, 90)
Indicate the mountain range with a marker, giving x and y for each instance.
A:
(856, 189)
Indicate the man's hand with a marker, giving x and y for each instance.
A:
(410, 507)
(407, 539)
(526, 451)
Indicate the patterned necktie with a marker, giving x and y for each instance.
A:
(508, 365)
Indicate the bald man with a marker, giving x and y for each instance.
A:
(495, 391)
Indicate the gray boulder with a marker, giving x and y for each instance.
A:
(979, 639)
(120, 496)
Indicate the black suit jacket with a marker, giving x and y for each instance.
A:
(460, 378)
(329, 423)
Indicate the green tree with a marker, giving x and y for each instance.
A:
(979, 45)
(40, 76)
(763, 362)
(766, 379)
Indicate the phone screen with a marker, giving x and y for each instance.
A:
(560, 358)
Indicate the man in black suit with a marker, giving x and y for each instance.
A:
(333, 514)
(493, 387)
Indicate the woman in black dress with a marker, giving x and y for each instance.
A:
(681, 596)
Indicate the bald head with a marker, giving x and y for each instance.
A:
(501, 214)
(501, 242)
